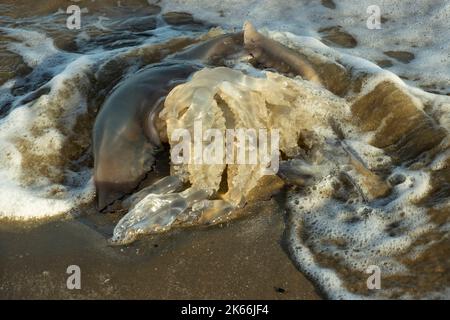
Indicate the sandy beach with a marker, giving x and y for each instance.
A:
(243, 259)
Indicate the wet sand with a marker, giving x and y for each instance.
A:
(242, 259)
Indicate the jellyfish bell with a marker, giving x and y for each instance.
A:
(127, 133)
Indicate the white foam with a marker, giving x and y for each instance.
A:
(419, 27)
(440, 161)
(33, 46)
(412, 24)
(361, 227)
(35, 195)
(26, 193)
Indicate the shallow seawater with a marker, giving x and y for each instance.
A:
(368, 182)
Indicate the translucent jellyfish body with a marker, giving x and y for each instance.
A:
(155, 209)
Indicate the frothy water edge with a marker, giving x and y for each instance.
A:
(38, 131)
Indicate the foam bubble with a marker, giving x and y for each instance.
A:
(414, 22)
(33, 46)
(35, 181)
(356, 234)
